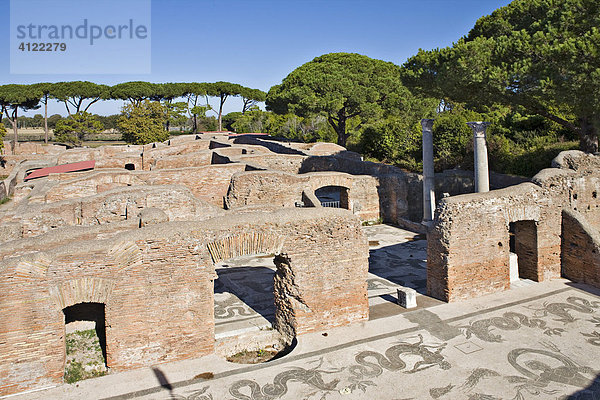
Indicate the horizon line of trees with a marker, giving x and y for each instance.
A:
(79, 96)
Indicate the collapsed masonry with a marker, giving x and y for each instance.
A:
(553, 222)
(140, 234)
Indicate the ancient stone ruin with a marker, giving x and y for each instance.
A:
(134, 243)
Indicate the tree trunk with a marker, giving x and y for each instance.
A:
(341, 132)
(46, 121)
(588, 137)
(14, 122)
(221, 113)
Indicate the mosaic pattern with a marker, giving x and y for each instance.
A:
(503, 353)
(244, 289)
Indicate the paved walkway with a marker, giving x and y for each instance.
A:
(536, 341)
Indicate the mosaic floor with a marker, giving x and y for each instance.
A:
(542, 344)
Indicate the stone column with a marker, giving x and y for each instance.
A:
(482, 176)
(428, 174)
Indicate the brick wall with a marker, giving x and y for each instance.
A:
(115, 205)
(563, 199)
(157, 286)
(277, 162)
(580, 249)
(284, 190)
(468, 245)
(196, 159)
(209, 183)
(152, 155)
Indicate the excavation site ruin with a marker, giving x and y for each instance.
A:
(216, 244)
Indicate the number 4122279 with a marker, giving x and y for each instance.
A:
(26, 46)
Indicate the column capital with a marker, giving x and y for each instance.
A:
(479, 127)
(427, 124)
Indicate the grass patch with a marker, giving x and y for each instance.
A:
(76, 371)
(377, 221)
(84, 356)
(252, 356)
(5, 200)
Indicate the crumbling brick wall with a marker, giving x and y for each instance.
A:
(151, 155)
(157, 286)
(468, 245)
(154, 312)
(209, 183)
(290, 163)
(285, 190)
(580, 249)
(114, 205)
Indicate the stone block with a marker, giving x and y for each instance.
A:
(407, 297)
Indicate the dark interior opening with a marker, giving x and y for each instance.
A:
(89, 312)
(523, 242)
(130, 167)
(333, 196)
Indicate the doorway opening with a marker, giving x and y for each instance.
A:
(523, 250)
(85, 341)
(333, 196)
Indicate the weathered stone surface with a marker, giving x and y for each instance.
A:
(580, 249)
(157, 313)
(469, 247)
(151, 216)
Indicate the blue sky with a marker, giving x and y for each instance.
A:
(257, 43)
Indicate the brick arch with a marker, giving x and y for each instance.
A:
(244, 244)
(82, 290)
(530, 212)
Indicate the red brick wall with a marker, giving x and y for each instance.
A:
(209, 183)
(468, 246)
(157, 285)
(580, 249)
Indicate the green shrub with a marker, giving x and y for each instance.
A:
(73, 130)
(143, 123)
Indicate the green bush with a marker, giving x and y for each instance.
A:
(395, 141)
(2, 134)
(73, 130)
(143, 123)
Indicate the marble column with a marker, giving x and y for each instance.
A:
(428, 174)
(482, 175)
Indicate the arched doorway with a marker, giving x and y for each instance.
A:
(333, 196)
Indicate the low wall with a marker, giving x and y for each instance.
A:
(290, 163)
(209, 183)
(152, 155)
(115, 205)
